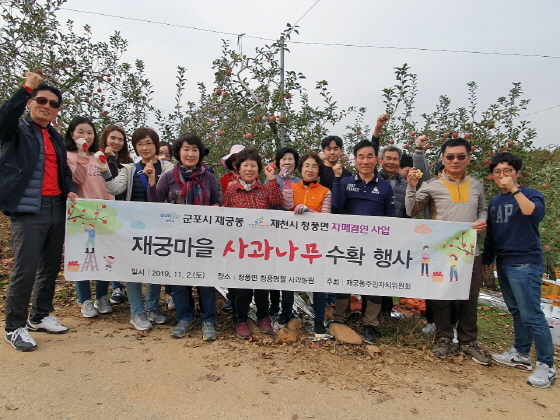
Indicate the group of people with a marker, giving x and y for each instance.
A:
(40, 170)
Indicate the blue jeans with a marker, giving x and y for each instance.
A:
(319, 304)
(83, 290)
(521, 288)
(134, 293)
(117, 284)
(181, 298)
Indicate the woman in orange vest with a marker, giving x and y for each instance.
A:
(300, 197)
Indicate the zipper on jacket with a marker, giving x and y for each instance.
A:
(12, 166)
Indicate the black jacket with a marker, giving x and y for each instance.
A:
(21, 145)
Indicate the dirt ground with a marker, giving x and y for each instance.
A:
(103, 368)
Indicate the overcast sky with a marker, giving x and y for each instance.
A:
(356, 76)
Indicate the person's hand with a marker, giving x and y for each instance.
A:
(32, 80)
(150, 172)
(412, 177)
(101, 160)
(269, 171)
(422, 141)
(109, 151)
(486, 271)
(72, 197)
(82, 146)
(382, 120)
(479, 225)
(507, 182)
(300, 209)
(285, 173)
(337, 169)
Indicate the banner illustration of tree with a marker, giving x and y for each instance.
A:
(461, 243)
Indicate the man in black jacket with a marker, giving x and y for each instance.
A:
(35, 181)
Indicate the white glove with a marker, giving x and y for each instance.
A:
(82, 146)
(300, 209)
(101, 160)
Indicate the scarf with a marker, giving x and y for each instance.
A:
(193, 191)
(247, 187)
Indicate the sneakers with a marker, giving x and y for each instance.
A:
(117, 296)
(266, 326)
(369, 334)
(48, 324)
(471, 349)
(88, 309)
(141, 322)
(21, 340)
(442, 348)
(429, 329)
(242, 330)
(102, 305)
(156, 317)
(169, 303)
(227, 306)
(283, 319)
(181, 328)
(512, 358)
(543, 376)
(319, 329)
(208, 331)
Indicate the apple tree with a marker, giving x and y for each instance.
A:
(497, 128)
(94, 80)
(248, 105)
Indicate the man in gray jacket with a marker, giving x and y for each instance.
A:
(35, 181)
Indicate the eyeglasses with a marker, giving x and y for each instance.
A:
(43, 101)
(453, 157)
(147, 144)
(506, 172)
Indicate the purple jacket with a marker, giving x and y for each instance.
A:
(167, 190)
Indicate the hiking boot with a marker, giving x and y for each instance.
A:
(181, 328)
(208, 331)
(88, 310)
(266, 326)
(543, 376)
(156, 317)
(512, 358)
(141, 322)
(242, 330)
(48, 324)
(429, 329)
(369, 334)
(471, 349)
(442, 348)
(117, 296)
(102, 305)
(283, 319)
(319, 329)
(21, 340)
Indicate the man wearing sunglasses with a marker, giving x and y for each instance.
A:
(457, 197)
(35, 181)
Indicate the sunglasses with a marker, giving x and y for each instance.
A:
(453, 157)
(43, 101)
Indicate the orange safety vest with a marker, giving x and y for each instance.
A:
(312, 196)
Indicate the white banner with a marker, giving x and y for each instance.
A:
(268, 249)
